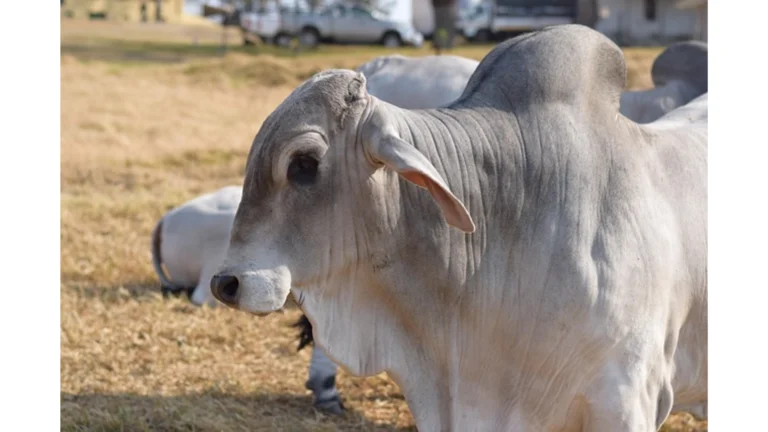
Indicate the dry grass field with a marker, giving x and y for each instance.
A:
(148, 121)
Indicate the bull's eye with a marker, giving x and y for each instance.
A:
(303, 169)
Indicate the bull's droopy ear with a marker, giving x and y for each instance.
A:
(409, 163)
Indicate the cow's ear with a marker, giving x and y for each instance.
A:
(403, 158)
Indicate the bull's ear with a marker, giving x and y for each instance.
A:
(409, 163)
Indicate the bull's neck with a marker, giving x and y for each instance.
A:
(475, 150)
(482, 156)
(479, 154)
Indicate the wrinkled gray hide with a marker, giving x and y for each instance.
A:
(679, 75)
(524, 259)
(408, 82)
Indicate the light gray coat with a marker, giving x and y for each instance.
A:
(524, 259)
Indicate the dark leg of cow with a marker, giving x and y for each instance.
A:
(322, 382)
(322, 372)
(305, 332)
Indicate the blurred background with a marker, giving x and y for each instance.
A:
(159, 103)
(398, 22)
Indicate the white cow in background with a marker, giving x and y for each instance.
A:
(523, 259)
(679, 75)
(418, 82)
(191, 240)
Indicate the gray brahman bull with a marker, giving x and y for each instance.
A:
(191, 240)
(523, 259)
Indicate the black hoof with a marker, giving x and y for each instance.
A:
(333, 406)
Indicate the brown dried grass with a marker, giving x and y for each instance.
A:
(136, 141)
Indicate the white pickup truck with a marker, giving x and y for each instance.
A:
(489, 20)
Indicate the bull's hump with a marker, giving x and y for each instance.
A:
(568, 63)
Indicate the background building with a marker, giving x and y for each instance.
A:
(646, 22)
(121, 10)
(699, 7)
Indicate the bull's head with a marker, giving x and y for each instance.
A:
(321, 197)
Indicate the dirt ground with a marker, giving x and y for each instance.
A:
(148, 122)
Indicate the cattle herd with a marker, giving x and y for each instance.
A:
(518, 243)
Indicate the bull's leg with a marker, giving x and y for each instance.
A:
(322, 372)
(624, 397)
(322, 382)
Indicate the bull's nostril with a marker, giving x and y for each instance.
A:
(230, 288)
(224, 288)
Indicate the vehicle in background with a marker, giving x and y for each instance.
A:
(474, 23)
(500, 18)
(334, 24)
(272, 26)
(355, 24)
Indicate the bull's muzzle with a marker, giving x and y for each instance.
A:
(260, 291)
